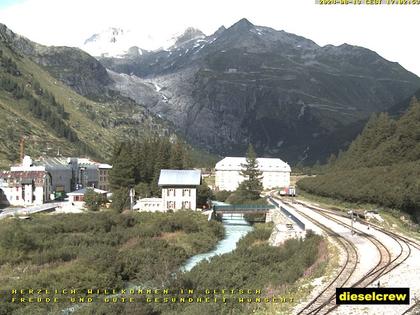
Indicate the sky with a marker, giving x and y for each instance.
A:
(390, 30)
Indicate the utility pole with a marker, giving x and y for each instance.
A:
(351, 218)
(132, 193)
(22, 148)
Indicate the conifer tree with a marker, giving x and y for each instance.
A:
(122, 173)
(177, 156)
(251, 187)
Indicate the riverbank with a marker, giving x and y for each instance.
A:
(235, 227)
(96, 251)
(264, 273)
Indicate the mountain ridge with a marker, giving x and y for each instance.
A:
(281, 91)
(73, 66)
(51, 116)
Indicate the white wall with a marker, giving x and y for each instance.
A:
(32, 197)
(150, 204)
(230, 180)
(275, 173)
(176, 198)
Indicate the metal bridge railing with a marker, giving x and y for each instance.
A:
(298, 222)
(243, 208)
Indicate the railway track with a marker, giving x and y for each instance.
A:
(340, 279)
(324, 302)
(399, 239)
(397, 261)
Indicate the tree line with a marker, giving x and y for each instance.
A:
(137, 164)
(9, 65)
(382, 165)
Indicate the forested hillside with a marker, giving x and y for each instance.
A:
(52, 117)
(381, 166)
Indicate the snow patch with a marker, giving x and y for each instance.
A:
(302, 111)
(157, 87)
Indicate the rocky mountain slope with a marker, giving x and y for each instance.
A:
(72, 66)
(282, 92)
(43, 100)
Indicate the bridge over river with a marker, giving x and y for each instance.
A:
(242, 209)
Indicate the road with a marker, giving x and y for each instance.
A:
(9, 212)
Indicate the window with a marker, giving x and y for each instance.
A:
(186, 192)
(171, 190)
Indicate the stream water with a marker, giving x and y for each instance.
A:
(235, 228)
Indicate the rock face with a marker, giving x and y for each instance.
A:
(282, 92)
(74, 67)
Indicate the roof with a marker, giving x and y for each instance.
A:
(24, 177)
(264, 164)
(153, 199)
(63, 162)
(53, 162)
(83, 191)
(104, 165)
(179, 178)
(20, 175)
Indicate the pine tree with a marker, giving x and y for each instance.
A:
(204, 193)
(93, 200)
(251, 187)
(122, 173)
(177, 156)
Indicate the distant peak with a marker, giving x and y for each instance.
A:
(193, 31)
(190, 33)
(243, 24)
(220, 30)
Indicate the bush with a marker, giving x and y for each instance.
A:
(222, 195)
(93, 200)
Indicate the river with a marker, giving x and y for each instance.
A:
(235, 228)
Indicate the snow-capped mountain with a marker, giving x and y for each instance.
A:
(251, 83)
(118, 42)
(112, 42)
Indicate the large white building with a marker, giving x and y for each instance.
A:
(25, 185)
(275, 173)
(36, 182)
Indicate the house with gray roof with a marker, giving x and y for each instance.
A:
(179, 188)
(179, 191)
